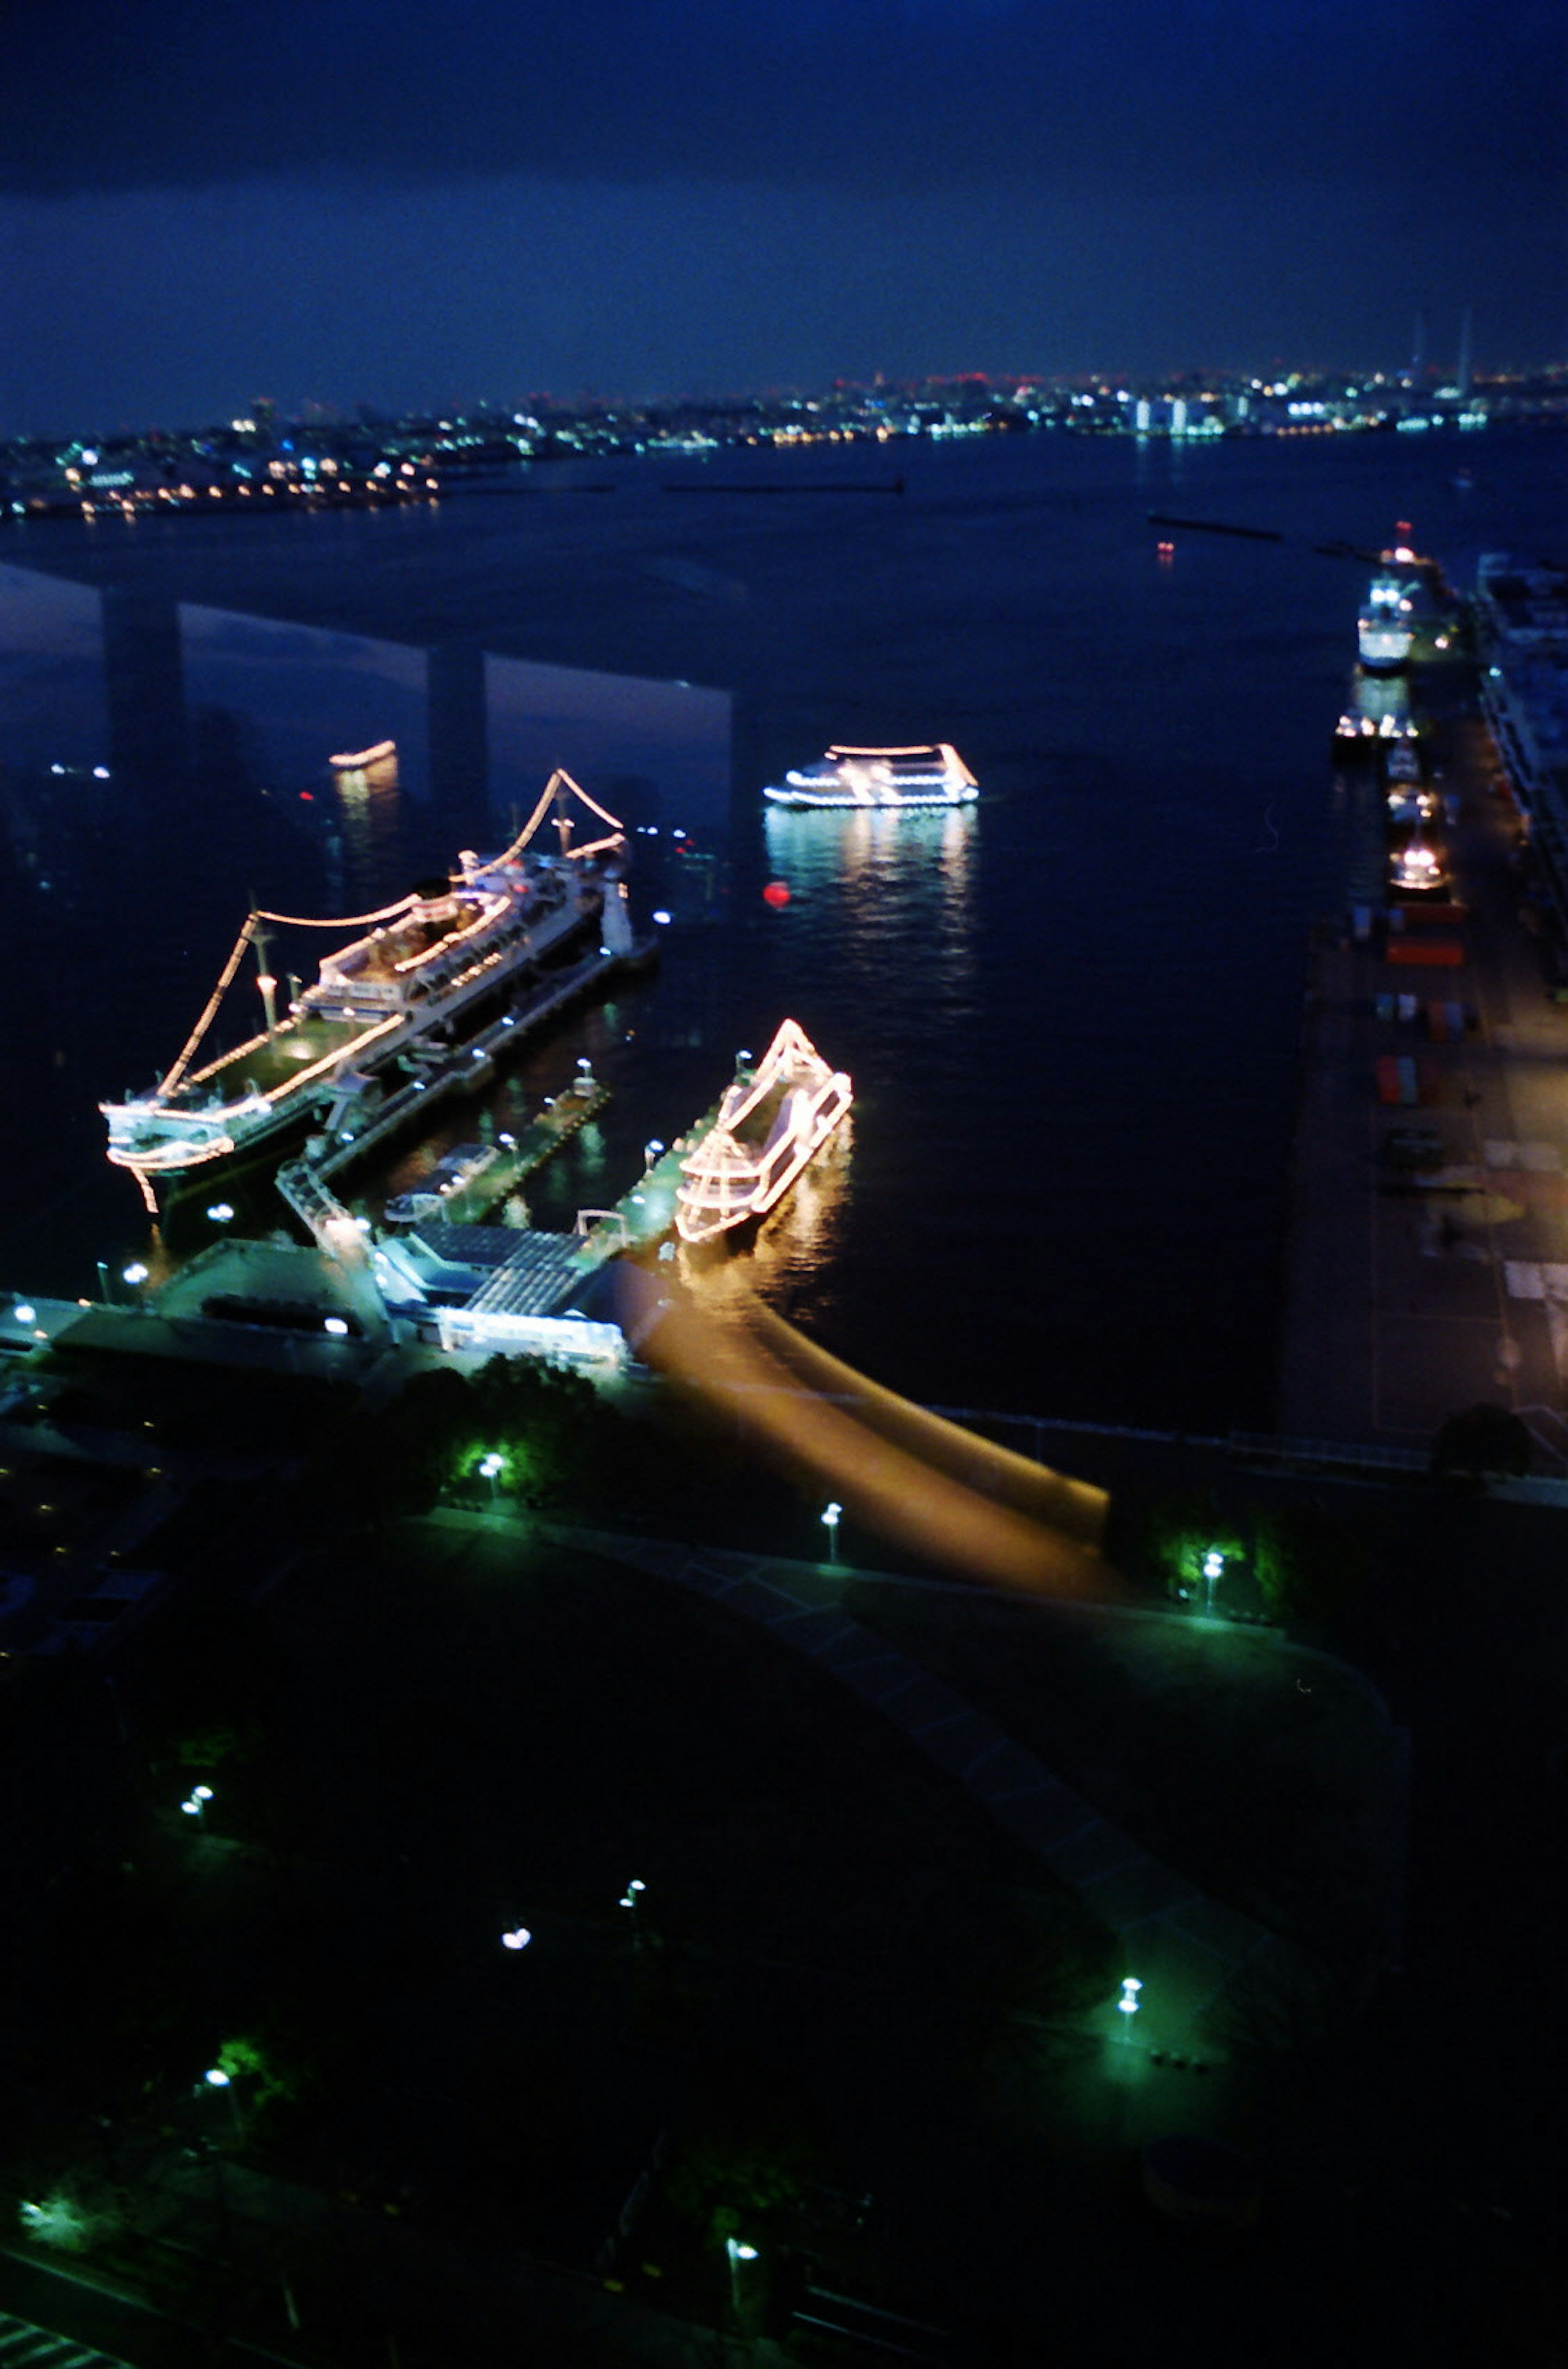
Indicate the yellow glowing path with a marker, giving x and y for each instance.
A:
(919, 1481)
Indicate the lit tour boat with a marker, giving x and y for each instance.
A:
(427, 963)
(930, 776)
(355, 761)
(771, 1121)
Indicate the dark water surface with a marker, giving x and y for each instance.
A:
(1071, 1014)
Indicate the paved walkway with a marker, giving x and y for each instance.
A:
(1185, 1947)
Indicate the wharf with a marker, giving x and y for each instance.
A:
(646, 1214)
(516, 1160)
(367, 1128)
(1411, 1294)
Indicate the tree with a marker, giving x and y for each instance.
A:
(1308, 1565)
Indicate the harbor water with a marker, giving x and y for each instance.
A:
(1071, 1012)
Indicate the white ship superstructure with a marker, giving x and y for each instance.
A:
(1383, 627)
(771, 1121)
(931, 774)
(422, 966)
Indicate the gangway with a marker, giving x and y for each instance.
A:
(339, 1236)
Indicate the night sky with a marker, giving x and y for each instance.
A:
(406, 205)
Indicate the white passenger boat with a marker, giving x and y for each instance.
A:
(771, 1121)
(932, 775)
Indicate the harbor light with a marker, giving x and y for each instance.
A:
(221, 1212)
(518, 1938)
(135, 1273)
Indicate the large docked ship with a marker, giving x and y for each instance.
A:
(932, 775)
(426, 966)
(1383, 627)
(771, 1121)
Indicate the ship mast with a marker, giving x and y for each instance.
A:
(261, 939)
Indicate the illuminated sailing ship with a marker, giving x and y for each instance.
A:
(425, 964)
(771, 1121)
(931, 776)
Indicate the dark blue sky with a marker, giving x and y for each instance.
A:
(401, 205)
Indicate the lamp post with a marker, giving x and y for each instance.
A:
(738, 2253)
(216, 2078)
(1128, 2004)
(1213, 1565)
(492, 1467)
(195, 1806)
(830, 1516)
(631, 1900)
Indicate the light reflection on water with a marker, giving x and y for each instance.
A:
(896, 884)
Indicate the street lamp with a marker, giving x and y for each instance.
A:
(738, 2253)
(830, 1514)
(194, 1805)
(1128, 2003)
(137, 1272)
(1213, 1565)
(518, 1938)
(652, 1150)
(491, 1468)
(216, 2078)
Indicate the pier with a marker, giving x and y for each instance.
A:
(1445, 1227)
(356, 1125)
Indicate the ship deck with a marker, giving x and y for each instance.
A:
(269, 1062)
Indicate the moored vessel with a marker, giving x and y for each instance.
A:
(414, 983)
(1383, 627)
(931, 774)
(774, 1119)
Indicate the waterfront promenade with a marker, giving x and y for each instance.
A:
(1408, 1299)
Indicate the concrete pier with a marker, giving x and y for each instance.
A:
(1411, 1293)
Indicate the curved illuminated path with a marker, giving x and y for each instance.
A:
(932, 1488)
